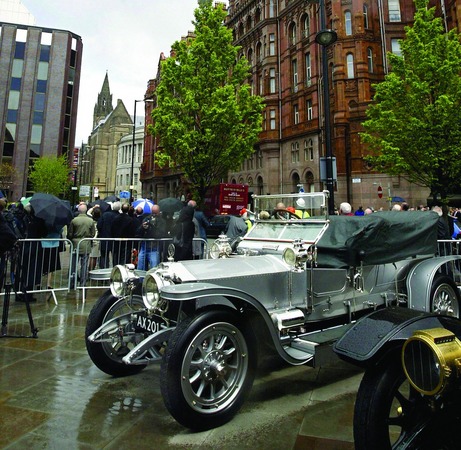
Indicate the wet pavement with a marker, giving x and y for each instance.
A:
(53, 397)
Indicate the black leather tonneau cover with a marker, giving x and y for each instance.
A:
(377, 238)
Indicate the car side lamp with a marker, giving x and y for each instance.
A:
(431, 360)
(221, 247)
(299, 255)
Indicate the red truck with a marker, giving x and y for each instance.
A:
(226, 198)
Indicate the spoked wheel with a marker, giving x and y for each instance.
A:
(207, 369)
(107, 355)
(445, 296)
(391, 414)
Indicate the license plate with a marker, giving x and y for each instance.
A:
(151, 324)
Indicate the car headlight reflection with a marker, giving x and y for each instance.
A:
(119, 278)
(431, 360)
(151, 289)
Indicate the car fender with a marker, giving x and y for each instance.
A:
(420, 279)
(374, 336)
(209, 294)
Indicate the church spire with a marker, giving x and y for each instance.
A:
(103, 106)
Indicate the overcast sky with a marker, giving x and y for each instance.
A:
(123, 37)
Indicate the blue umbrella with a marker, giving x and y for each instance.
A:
(398, 199)
(145, 203)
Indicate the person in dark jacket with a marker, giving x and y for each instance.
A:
(105, 231)
(31, 256)
(123, 226)
(183, 234)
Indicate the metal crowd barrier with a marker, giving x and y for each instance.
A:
(38, 266)
(112, 251)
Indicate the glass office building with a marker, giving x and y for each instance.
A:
(39, 85)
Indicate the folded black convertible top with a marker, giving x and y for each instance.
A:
(377, 238)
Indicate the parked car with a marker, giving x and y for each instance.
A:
(217, 225)
(410, 394)
(288, 289)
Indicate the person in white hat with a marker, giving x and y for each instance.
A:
(301, 211)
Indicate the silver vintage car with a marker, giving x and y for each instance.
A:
(289, 287)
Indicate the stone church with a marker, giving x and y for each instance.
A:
(99, 158)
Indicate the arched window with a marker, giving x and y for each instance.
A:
(250, 56)
(365, 16)
(350, 65)
(308, 150)
(370, 59)
(306, 26)
(260, 185)
(258, 16)
(248, 24)
(292, 33)
(348, 23)
(310, 182)
(258, 52)
(294, 182)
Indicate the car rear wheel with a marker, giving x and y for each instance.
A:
(445, 296)
(207, 369)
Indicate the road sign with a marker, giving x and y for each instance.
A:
(380, 192)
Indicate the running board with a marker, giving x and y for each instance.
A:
(316, 349)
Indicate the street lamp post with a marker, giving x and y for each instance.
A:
(148, 100)
(324, 38)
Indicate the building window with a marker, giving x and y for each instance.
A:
(271, 44)
(370, 59)
(365, 16)
(306, 26)
(348, 23)
(350, 65)
(36, 135)
(295, 152)
(15, 84)
(395, 47)
(272, 81)
(20, 50)
(272, 4)
(259, 159)
(258, 52)
(394, 10)
(295, 114)
(308, 150)
(45, 53)
(18, 65)
(292, 34)
(41, 86)
(272, 119)
(309, 112)
(264, 120)
(261, 85)
(308, 69)
(42, 72)
(294, 69)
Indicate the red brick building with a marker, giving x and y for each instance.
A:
(278, 38)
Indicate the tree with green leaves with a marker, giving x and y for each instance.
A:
(50, 175)
(414, 125)
(206, 117)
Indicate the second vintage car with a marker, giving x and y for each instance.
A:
(289, 289)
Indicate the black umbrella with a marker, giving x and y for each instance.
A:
(102, 204)
(111, 198)
(53, 211)
(170, 205)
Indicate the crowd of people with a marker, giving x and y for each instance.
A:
(119, 233)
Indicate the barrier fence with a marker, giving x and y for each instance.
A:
(52, 265)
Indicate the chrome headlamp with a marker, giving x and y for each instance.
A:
(119, 278)
(151, 287)
(431, 359)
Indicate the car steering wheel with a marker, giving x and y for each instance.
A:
(279, 211)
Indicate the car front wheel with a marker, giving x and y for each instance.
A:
(207, 369)
(108, 353)
(390, 414)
